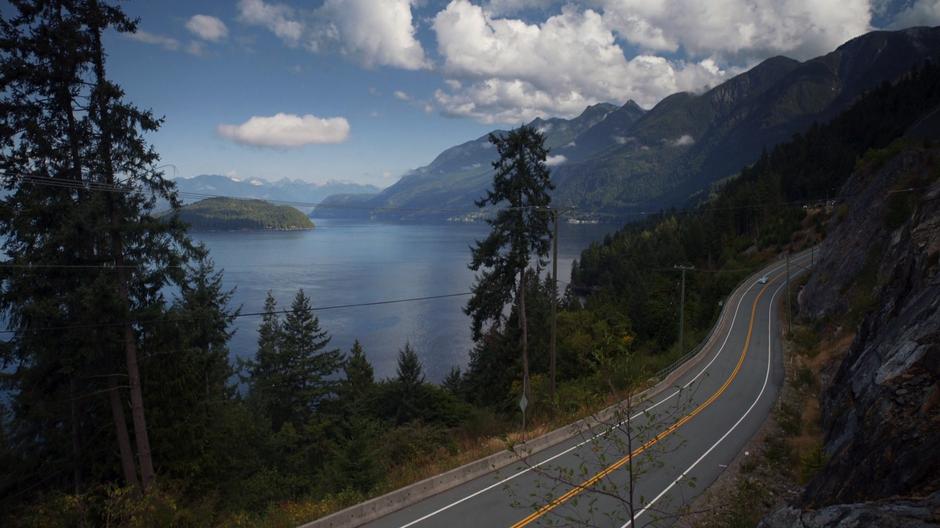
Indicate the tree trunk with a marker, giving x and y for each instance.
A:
(137, 409)
(124, 442)
(100, 105)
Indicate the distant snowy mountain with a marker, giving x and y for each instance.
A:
(296, 192)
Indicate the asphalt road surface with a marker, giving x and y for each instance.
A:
(677, 441)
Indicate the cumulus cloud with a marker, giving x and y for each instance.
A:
(287, 131)
(518, 71)
(207, 27)
(556, 160)
(280, 19)
(683, 141)
(374, 32)
(401, 96)
(920, 13)
(739, 28)
(167, 43)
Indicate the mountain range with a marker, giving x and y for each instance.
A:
(300, 193)
(616, 160)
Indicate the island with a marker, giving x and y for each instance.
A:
(232, 214)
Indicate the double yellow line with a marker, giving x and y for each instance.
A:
(587, 484)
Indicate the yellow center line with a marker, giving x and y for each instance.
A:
(663, 434)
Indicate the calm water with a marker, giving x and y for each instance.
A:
(346, 263)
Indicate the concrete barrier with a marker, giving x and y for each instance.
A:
(391, 502)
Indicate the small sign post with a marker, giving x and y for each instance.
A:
(523, 403)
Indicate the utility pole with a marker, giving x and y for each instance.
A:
(789, 324)
(683, 268)
(554, 338)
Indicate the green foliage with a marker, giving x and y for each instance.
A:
(520, 230)
(409, 371)
(233, 214)
(630, 274)
(812, 463)
(293, 371)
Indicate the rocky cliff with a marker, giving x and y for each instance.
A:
(878, 271)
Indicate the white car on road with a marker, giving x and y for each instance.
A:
(763, 280)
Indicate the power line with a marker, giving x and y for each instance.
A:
(102, 267)
(238, 315)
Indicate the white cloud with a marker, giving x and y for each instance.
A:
(287, 131)
(374, 32)
(401, 96)
(518, 71)
(277, 18)
(167, 43)
(919, 13)
(207, 27)
(553, 161)
(683, 141)
(743, 29)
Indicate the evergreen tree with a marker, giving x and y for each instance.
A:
(66, 139)
(355, 465)
(360, 375)
(294, 372)
(358, 387)
(409, 372)
(190, 387)
(408, 386)
(519, 233)
(453, 382)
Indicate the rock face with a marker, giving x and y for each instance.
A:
(881, 411)
(884, 514)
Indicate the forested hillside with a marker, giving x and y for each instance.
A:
(630, 273)
(232, 214)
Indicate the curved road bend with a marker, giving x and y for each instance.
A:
(682, 439)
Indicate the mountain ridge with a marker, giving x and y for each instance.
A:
(618, 160)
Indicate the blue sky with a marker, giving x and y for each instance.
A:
(364, 90)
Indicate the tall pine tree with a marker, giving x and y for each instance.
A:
(519, 234)
(82, 185)
(293, 371)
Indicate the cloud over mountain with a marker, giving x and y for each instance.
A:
(518, 70)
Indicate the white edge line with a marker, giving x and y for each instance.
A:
(637, 415)
(736, 424)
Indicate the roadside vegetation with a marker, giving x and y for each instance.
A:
(304, 429)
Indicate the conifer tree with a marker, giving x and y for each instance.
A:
(409, 383)
(359, 383)
(519, 234)
(294, 371)
(82, 187)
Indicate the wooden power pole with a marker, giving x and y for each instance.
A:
(554, 337)
(683, 268)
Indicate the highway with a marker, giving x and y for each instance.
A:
(677, 441)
